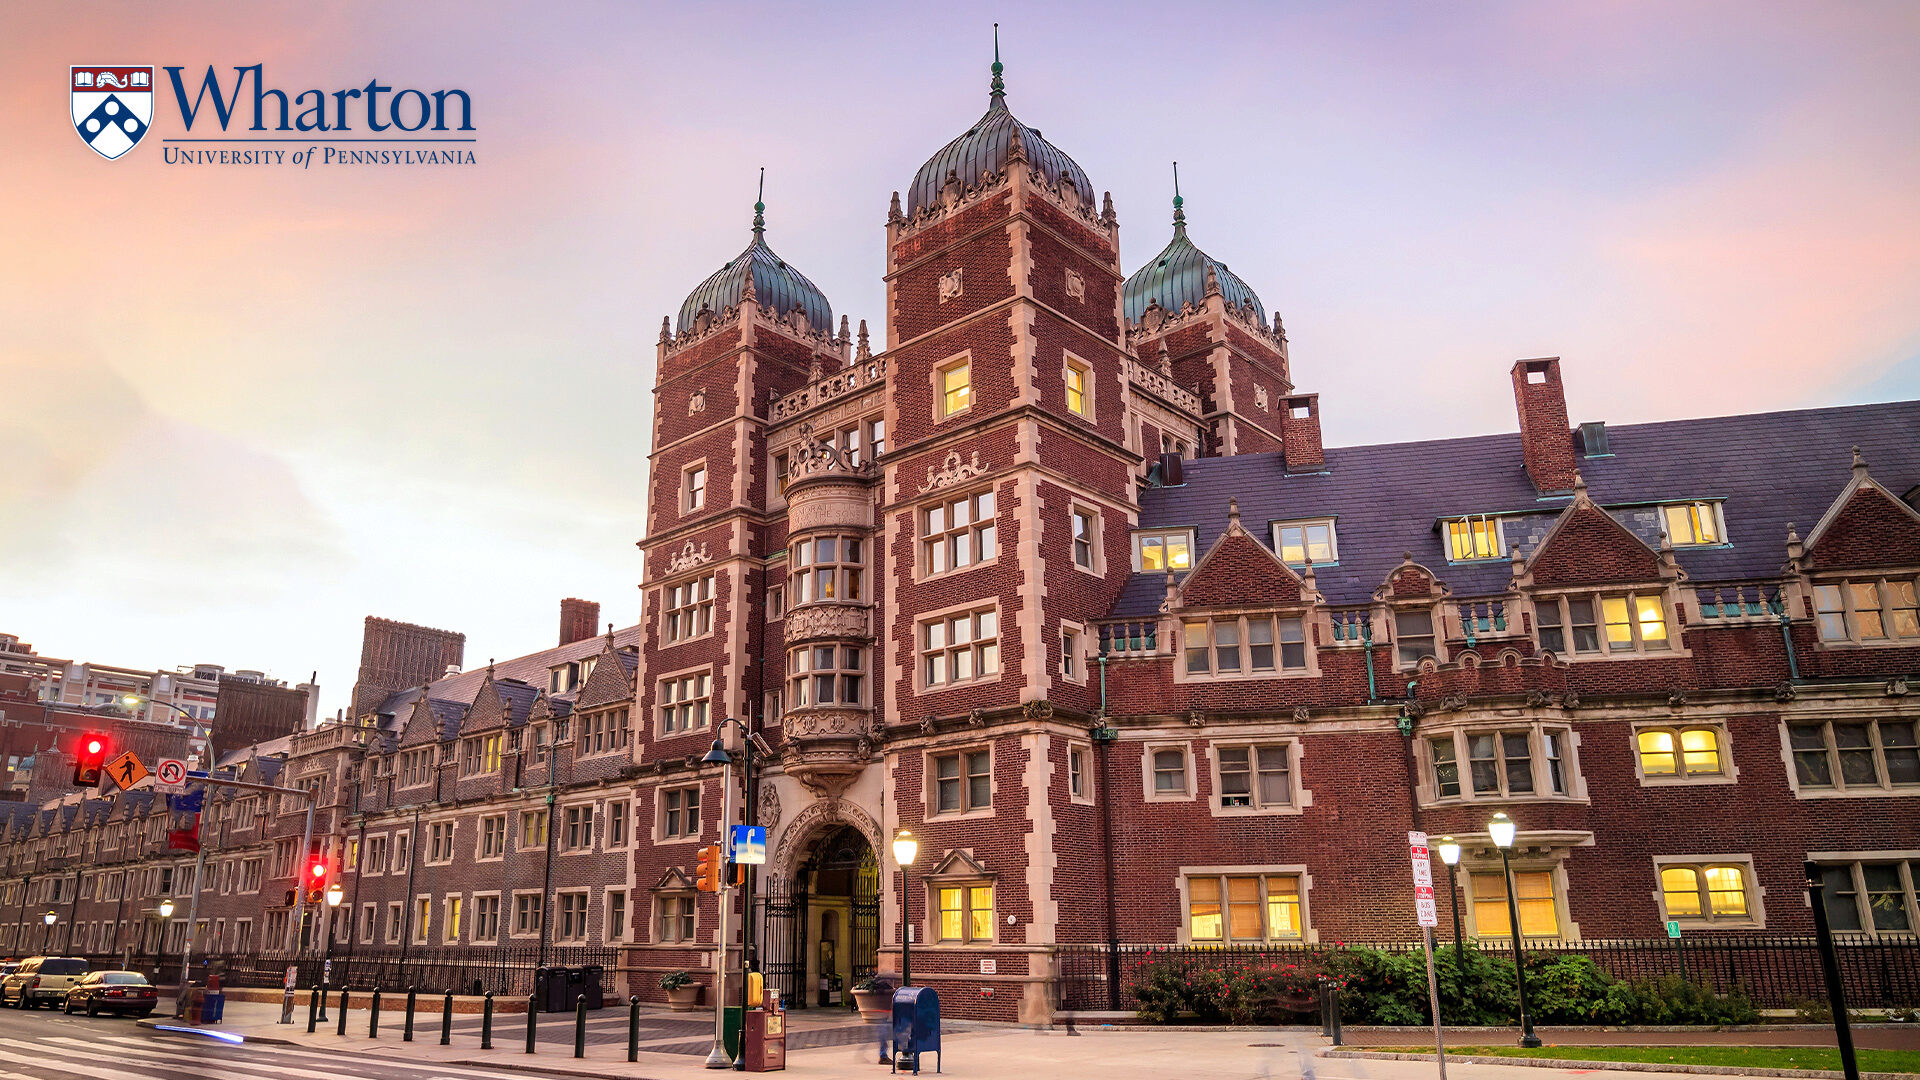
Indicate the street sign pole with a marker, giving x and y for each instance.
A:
(1429, 915)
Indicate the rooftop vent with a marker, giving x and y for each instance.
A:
(1593, 439)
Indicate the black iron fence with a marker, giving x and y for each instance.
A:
(504, 970)
(1776, 972)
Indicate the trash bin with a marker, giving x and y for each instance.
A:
(550, 988)
(591, 977)
(916, 1026)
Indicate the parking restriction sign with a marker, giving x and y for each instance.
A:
(1423, 902)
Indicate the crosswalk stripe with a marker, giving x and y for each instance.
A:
(229, 1065)
(65, 1066)
(169, 1053)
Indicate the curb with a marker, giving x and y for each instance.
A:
(1618, 1066)
(548, 1070)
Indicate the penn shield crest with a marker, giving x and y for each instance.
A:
(112, 106)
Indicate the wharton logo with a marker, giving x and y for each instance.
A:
(112, 106)
(376, 124)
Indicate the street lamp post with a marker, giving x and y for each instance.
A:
(46, 939)
(1501, 828)
(905, 848)
(160, 952)
(333, 894)
(717, 1057)
(1450, 854)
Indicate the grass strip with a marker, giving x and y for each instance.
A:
(1752, 1057)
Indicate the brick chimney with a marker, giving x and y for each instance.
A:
(1546, 440)
(1300, 432)
(579, 619)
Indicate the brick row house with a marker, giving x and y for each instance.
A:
(1133, 654)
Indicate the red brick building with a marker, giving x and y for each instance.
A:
(1134, 655)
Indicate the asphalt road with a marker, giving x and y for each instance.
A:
(39, 1044)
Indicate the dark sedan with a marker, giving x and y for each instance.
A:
(112, 991)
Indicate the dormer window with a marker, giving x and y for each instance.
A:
(1300, 541)
(564, 678)
(1166, 549)
(1475, 537)
(1694, 524)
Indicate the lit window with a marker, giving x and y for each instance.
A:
(962, 782)
(1857, 756)
(1254, 907)
(1077, 390)
(1882, 609)
(1255, 777)
(826, 675)
(1084, 541)
(695, 487)
(1693, 523)
(1705, 893)
(958, 533)
(1533, 891)
(1631, 623)
(781, 463)
(827, 568)
(1164, 550)
(960, 648)
(1667, 752)
(1300, 541)
(956, 388)
(966, 912)
(1474, 538)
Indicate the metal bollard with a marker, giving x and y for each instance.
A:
(407, 1035)
(323, 1002)
(343, 1012)
(580, 1028)
(633, 1028)
(373, 1016)
(533, 1018)
(1333, 1014)
(313, 1009)
(446, 1022)
(486, 1022)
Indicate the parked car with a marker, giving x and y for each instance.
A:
(112, 991)
(41, 980)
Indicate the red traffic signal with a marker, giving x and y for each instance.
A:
(90, 756)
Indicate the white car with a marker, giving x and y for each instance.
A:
(41, 980)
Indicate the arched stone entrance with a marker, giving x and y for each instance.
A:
(820, 909)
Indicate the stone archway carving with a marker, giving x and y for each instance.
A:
(811, 821)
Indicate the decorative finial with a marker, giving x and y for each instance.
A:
(666, 329)
(998, 88)
(865, 350)
(845, 337)
(893, 212)
(1859, 464)
(760, 205)
(1579, 488)
(1107, 216)
(1793, 534)
(1017, 151)
(749, 295)
(1179, 215)
(1213, 281)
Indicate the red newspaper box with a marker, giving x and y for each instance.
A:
(766, 1042)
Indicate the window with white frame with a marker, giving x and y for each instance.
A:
(480, 755)
(1244, 907)
(616, 915)
(1086, 538)
(958, 533)
(493, 836)
(959, 648)
(1163, 549)
(1169, 778)
(1715, 892)
(1871, 895)
(440, 842)
(1300, 541)
(577, 832)
(1872, 611)
(1235, 646)
(393, 922)
(693, 487)
(1680, 753)
(526, 914)
(618, 827)
(1475, 537)
(954, 383)
(683, 702)
(573, 917)
(826, 568)
(1079, 773)
(689, 610)
(1070, 660)
(450, 924)
(680, 813)
(1856, 756)
(1634, 623)
(1523, 761)
(1254, 777)
(826, 675)
(1693, 524)
(962, 782)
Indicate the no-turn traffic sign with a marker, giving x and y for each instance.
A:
(170, 775)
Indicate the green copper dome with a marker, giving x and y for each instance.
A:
(1178, 275)
(777, 286)
(983, 149)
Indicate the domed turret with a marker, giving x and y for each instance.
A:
(1178, 275)
(777, 287)
(984, 149)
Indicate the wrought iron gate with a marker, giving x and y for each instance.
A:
(783, 939)
(864, 924)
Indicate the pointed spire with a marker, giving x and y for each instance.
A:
(1107, 216)
(666, 329)
(845, 337)
(760, 206)
(1580, 490)
(1859, 464)
(894, 216)
(1213, 280)
(1233, 512)
(749, 295)
(1179, 215)
(865, 350)
(1017, 150)
(997, 90)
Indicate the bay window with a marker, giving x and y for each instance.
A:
(827, 568)
(826, 675)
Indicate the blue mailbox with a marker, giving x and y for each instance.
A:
(916, 1025)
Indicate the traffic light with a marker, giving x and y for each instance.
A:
(316, 882)
(709, 869)
(90, 756)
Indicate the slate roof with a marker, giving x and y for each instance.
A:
(1769, 468)
(530, 669)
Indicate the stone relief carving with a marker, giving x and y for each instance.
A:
(827, 621)
(687, 558)
(1076, 285)
(950, 286)
(825, 722)
(977, 717)
(1195, 718)
(1301, 714)
(697, 402)
(952, 471)
(769, 807)
(1260, 398)
(1037, 710)
(811, 821)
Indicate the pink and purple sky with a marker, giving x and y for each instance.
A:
(242, 408)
